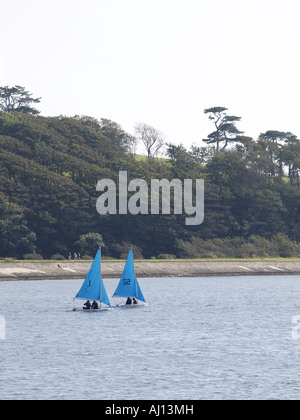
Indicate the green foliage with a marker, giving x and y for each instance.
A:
(121, 251)
(87, 258)
(33, 257)
(58, 257)
(166, 257)
(15, 236)
(253, 247)
(225, 125)
(49, 169)
(17, 99)
(89, 243)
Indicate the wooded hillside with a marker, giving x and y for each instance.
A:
(49, 169)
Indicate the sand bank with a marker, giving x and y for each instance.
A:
(78, 269)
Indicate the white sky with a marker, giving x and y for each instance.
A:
(158, 61)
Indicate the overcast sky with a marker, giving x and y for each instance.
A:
(158, 61)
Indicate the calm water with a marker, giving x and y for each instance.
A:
(205, 338)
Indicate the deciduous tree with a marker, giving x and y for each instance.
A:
(152, 138)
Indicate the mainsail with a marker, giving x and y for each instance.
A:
(93, 287)
(128, 285)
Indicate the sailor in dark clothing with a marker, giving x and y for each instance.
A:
(87, 305)
(95, 305)
(128, 301)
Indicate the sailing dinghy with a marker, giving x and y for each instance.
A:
(128, 285)
(93, 288)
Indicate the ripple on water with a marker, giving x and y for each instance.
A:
(219, 338)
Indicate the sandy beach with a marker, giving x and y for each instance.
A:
(78, 269)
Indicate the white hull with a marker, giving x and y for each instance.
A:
(91, 310)
(138, 305)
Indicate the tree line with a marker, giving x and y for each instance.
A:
(49, 168)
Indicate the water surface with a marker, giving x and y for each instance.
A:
(199, 338)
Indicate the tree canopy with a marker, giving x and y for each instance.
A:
(17, 99)
(50, 166)
(226, 131)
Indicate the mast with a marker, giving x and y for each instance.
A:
(135, 279)
(100, 278)
(136, 288)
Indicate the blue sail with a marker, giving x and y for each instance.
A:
(93, 287)
(104, 297)
(128, 285)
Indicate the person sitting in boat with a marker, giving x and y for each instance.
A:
(135, 302)
(128, 301)
(87, 305)
(95, 305)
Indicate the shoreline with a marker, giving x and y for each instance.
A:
(56, 270)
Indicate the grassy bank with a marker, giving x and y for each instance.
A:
(43, 270)
(153, 260)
